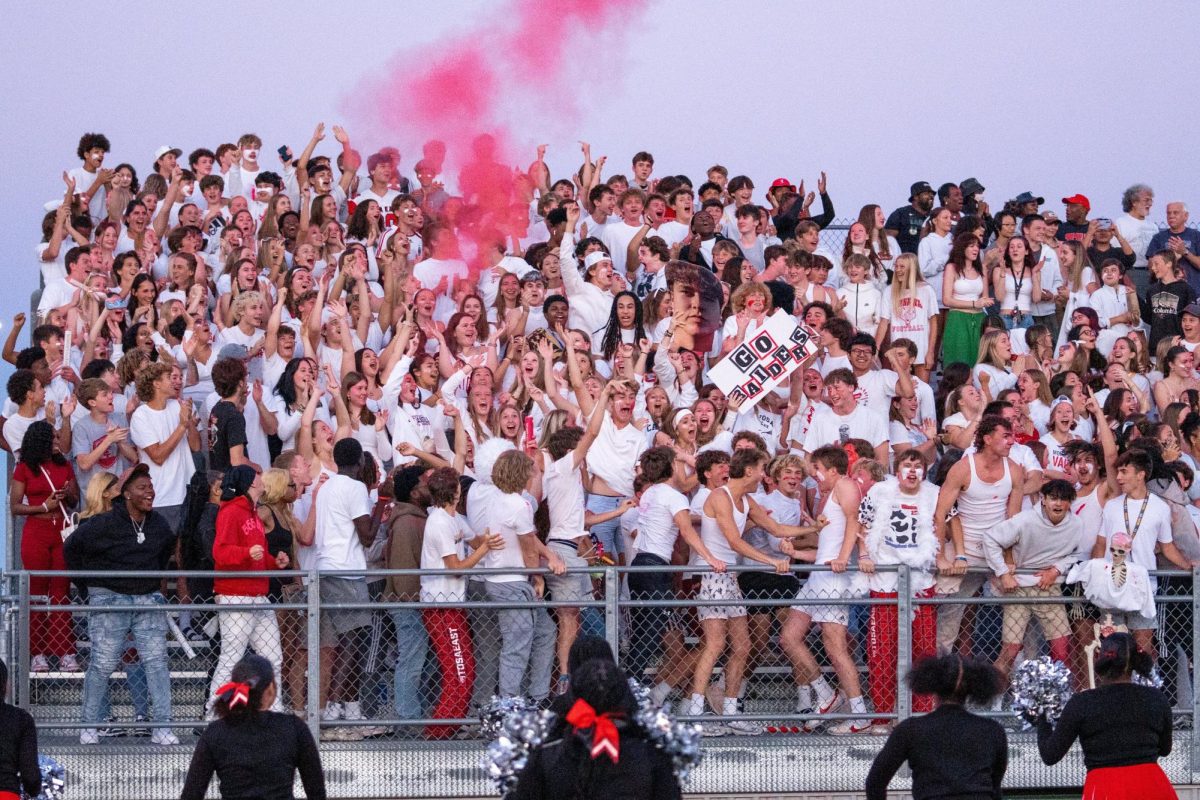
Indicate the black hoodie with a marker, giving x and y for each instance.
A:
(109, 543)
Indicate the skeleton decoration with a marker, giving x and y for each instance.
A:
(1116, 586)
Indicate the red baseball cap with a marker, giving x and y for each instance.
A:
(782, 183)
(1078, 200)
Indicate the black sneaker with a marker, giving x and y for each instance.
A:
(139, 732)
(112, 733)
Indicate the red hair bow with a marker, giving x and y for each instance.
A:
(605, 738)
(237, 693)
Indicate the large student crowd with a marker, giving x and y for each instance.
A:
(243, 367)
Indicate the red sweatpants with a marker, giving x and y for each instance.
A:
(42, 549)
(451, 643)
(883, 653)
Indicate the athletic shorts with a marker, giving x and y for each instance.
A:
(720, 586)
(768, 586)
(823, 586)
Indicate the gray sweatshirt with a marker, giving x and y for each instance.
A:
(1036, 544)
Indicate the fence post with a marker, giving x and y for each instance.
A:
(1195, 672)
(612, 611)
(904, 621)
(313, 623)
(7, 610)
(21, 684)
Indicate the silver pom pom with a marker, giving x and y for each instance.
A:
(54, 779)
(515, 728)
(1040, 689)
(1154, 680)
(681, 741)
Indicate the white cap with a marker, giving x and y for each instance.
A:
(162, 151)
(594, 258)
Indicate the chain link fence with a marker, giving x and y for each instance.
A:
(810, 657)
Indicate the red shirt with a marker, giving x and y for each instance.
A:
(239, 529)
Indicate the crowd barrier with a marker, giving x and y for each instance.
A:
(393, 669)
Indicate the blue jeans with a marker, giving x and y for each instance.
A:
(608, 534)
(108, 632)
(139, 693)
(1019, 322)
(412, 646)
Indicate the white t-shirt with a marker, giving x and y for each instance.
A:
(15, 427)
(614, 455)
(511, 516)
(657, 530)
(148, 427)
(445, 535)
(341, 501)
(932, 253)
(828, 427)
(876, 389)
(563, 491)
(999, 380)
(430, 273)
(911, 319)
(784, 510)
(616, 236)
(1155, 528)
(1056, 454)
(672, 232)
(1138, 232)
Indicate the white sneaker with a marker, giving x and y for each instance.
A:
(831, 706)
(881, 728)
(745, 727)
(164, 736)
(69, 664)
(713, 728)
(89, 736)
(332, 712)
(659, 694)
(850, 726)
(39, 664)
(352, 711)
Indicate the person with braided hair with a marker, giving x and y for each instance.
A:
(255, 752)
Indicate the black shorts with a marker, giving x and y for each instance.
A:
(767, 586)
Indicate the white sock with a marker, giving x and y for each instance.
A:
(729, 706)
(823, 689)
(696, 705)
(742, 690)
(804, 696)
(858, 705)
(660, 693)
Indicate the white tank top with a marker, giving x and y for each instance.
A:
(983, 505)
(1089, 512)
(710, 531)
(829, 540)
(1012, 297)
(967, 289)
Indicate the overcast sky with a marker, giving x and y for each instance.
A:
(1055, 98)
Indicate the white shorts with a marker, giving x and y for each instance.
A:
(720, 586)
(822, 586)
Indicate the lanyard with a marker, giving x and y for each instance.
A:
(1133, 532)
(1017, 284)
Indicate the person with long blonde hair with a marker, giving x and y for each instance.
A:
(275, 513)
(98, 499)
(993, 371)
(909, 310)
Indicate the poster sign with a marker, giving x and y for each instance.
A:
(764, 360)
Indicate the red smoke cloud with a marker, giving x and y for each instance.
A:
(515, 77)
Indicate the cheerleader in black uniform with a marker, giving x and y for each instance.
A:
(952, 752)
(1122, 727)
(18, 748)
(602, 752)
(255, 752)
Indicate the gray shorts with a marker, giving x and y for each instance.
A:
(1133, 620)
(335, 624)
(573, 587)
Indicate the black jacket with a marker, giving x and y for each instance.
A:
(563, 769)
(108, 543)
(18, 752)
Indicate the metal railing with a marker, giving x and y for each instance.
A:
(54, 695)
